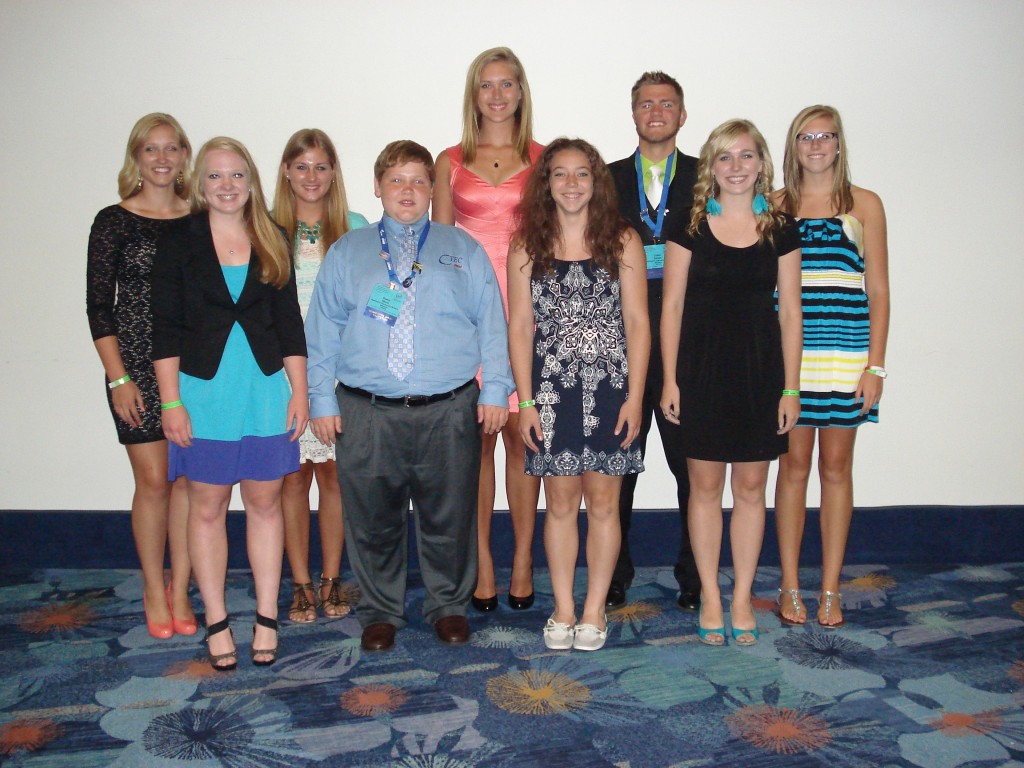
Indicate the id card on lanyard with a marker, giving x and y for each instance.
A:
(385, 302)
(655, 253)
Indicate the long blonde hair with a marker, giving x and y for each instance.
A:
(720, 139)
(129, 179)
(471, 115)
(267, 240)
(335, 220)
(842, 189)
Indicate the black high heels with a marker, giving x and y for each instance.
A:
(485, 604)
(520, 603)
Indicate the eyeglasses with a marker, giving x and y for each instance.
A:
(807, 138)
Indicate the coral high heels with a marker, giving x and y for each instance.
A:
(180, 626)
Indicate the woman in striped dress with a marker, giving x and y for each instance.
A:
(845, 300)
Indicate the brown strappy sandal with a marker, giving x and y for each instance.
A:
(332, 605)
(300, 612)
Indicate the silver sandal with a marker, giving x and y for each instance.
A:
(794, 598)
(828, 598)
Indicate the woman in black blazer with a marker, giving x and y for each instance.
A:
(227, 330)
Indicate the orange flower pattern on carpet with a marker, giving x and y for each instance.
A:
(27, 735)
(957, 724)
(869, 582)
(781, 730)
(373, 700)
(57, 617)
(537, 692)
(637, 611)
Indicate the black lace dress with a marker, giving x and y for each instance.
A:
(121, 249)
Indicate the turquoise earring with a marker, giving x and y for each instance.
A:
(759, 204)
(713, 207)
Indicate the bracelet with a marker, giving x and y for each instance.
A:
(527, 403)
(791, 393)
(172, 404)
(118, 382)
(877, 370)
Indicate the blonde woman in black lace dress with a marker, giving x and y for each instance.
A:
(153, 186)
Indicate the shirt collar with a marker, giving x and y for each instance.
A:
(645, 166)
(394, 229)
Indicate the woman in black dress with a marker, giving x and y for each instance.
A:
(731, 361)
(153, 185)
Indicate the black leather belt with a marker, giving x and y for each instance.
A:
(409, 401)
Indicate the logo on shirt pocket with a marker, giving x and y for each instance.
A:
(448, 260)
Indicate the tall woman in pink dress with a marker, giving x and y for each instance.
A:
(479, 184)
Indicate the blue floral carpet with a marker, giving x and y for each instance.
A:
(928, 671)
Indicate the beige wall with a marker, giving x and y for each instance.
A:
(929, 91)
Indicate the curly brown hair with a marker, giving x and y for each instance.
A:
(537, 229)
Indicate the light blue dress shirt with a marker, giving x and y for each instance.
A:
(460, 320)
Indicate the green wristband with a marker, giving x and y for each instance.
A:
(527, 403)
(172, 404)
(118, 382)
(791, 393)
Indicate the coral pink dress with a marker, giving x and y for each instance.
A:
(485, 211)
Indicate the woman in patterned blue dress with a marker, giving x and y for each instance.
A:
(226, 332)
(311, 206)
(579, 341)
(845, 297)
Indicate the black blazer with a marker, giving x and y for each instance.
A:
(680, 195)
(680, 200)
(193, 312)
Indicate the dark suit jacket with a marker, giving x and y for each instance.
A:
(680, 199)
(680, 193)
(193, 313)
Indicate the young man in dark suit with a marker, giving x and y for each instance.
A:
(655, 188)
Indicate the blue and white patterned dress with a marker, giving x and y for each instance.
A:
(580, 373)
(836, 324)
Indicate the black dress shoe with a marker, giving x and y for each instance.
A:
(520, 603)
(485, 604)
(378, 637)
(616, 595)
(453, 630)
(688, 600)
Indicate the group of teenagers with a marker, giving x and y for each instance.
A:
(511, 289)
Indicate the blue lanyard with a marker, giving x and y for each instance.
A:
(644, 211)
(385, 253)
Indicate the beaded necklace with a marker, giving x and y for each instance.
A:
(308, 233)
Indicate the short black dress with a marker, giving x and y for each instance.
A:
(730, 367)
(580, 374)
(121, 249)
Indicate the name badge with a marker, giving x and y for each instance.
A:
(655, 260)
(384, 305)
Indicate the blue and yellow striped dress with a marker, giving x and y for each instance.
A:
(836, 322)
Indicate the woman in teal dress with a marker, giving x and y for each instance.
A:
(227, 332)
(311, 206)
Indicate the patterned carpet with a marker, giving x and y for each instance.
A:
(928, 671)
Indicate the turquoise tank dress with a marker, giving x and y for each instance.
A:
(238, 416)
